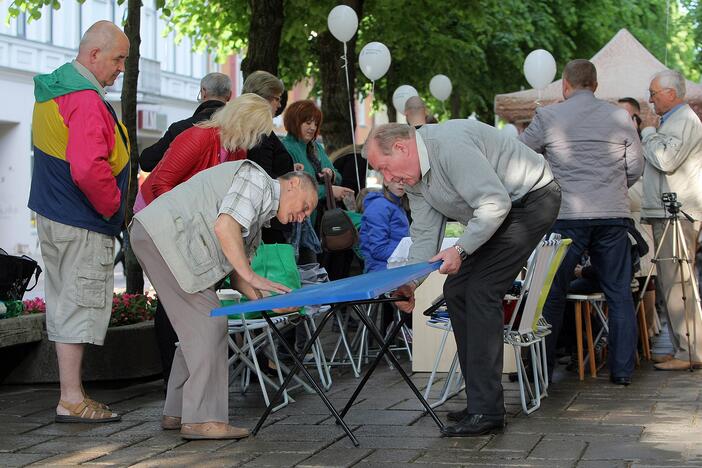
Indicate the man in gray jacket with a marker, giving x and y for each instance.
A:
(506, 197)
(595, 155)
(674, 164)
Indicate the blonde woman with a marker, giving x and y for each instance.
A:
(226, 136)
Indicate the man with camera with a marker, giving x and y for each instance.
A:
(673, 154)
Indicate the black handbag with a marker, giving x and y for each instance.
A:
(15, 274)
(337, 229)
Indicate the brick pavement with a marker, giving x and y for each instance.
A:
(657, 421)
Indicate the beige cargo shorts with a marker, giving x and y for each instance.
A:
(78, 281)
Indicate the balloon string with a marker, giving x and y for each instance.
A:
(353, 130)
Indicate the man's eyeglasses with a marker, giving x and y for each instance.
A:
(653, 93)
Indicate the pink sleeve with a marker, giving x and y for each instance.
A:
(90, 141)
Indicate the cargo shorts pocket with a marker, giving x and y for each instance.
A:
(91, 288)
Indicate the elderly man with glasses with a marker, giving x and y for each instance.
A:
(673, 154)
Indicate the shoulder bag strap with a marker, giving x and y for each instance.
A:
(331, 203)
(119, 126)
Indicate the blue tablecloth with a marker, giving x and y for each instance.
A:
(356, 288)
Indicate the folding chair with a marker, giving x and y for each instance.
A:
(532, 330)
(454, 382)
(361, 340)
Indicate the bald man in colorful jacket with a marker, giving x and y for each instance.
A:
(79, 190)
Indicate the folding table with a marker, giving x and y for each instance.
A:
(354, 291)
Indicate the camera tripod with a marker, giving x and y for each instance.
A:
(679, 256)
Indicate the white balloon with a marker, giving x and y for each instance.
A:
(539, 68)
(401, 95)
(510, 130)
(342, 22)
(440, 87)
(374, 60)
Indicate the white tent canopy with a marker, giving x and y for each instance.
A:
(624, 69)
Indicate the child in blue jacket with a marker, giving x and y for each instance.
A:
(383, 225)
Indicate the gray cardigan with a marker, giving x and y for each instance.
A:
(594, 152)
(475, 173)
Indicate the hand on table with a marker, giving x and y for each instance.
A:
(451, 261)
(263, 284)
(405, 291)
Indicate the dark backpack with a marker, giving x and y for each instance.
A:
(15, 274)
(337, 229)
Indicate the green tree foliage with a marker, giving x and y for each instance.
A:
(479, 44)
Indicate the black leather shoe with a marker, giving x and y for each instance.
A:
(475, 425)
(456, 416)
(620, 380)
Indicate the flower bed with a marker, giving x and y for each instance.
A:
(130, 350)
(127, 309)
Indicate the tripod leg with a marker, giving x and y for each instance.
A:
(680, 253)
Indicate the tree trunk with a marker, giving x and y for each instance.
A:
(337, 126)
(135, 277)
(265, 30)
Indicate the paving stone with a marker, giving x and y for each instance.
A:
(415, 443)
(464, 458)
(384, 417)
(67, 459)
(12, 443)
(604, 464)
(558, 449)
(127, 456)
(280, 459)
(19, 428)
(20, 459)
(335, 457)
(304, 419)
(513, 443)
(314, 433)
(257, 445)
(615, 450)
(192, 459)
(560, 426)
(95, 445)
(385, 456)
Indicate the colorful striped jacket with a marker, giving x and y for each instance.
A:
(81, 154)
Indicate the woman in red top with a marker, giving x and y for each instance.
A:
(226, 136)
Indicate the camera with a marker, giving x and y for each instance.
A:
(669, 197)
(670, 202)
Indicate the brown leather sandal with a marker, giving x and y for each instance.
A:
(92, 403)
(83, 412)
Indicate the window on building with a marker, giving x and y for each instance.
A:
(183, 57)
(66, 25)
(8, 29)
(148, 30)
(93, 11)
(165, 48)
(40, 30)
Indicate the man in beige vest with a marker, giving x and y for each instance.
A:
(674, 164)
(187, 241)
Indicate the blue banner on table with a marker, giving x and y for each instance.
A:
(355, 288)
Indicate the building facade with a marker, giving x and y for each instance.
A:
(168, 85)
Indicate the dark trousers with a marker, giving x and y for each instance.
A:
(474, 295)
(610, 254)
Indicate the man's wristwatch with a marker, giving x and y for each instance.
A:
(460, 251)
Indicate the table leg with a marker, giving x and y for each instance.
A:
(383, 352)
(300, 366)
